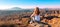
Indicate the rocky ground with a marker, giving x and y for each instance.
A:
(55, 22)
(22, 20)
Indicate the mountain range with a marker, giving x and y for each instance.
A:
(14, 10)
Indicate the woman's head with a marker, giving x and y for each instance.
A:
(36, 11)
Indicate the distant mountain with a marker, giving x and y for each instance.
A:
(15, 8)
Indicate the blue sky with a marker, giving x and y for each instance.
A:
(29, 3)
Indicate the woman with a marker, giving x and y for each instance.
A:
(35, 17)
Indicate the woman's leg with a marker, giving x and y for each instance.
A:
(32, 20)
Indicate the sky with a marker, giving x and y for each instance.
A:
(4, 4)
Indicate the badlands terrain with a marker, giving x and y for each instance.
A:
(21, 18)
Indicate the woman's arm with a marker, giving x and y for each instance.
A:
(32, 15)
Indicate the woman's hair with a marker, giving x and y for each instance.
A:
(36, 11)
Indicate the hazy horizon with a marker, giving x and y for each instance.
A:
(5, 4)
